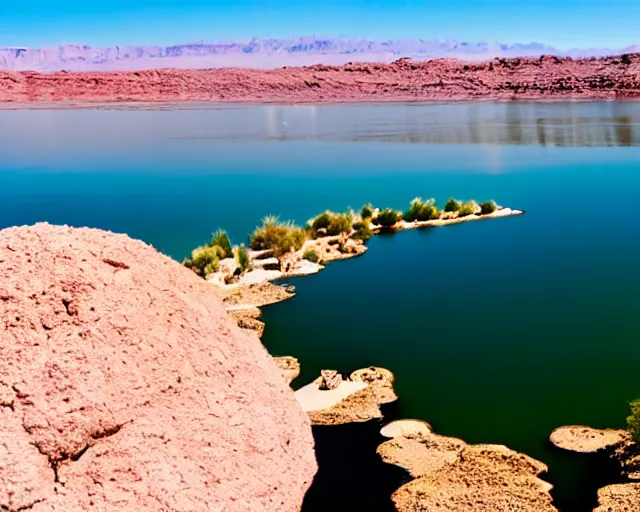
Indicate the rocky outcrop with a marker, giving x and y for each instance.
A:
(619, 498)
(583, 439)
(357, 399)
(253, 295)
(451, 476)
(248, 318)
(125, 386)
(289, 367)
(540, 78)
(329, 379)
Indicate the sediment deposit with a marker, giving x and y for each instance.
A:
(124, 385)
(544, 78)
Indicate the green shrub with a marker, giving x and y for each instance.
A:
(221, 239)
(452, 205)
(340, 223)
(388, 218)
(322, 221)
(280, 237)
(468, 208)
(414, 210)
(633, 421)
(488, 207)
(429, 211)
(367, 211)
(311, 255)
(422, 210)
(204, 260)
(243, 258)
(363, 231)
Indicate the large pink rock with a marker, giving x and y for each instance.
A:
(125, 386)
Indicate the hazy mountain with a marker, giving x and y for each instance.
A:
(269, 53)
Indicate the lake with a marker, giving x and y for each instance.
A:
(497, 331)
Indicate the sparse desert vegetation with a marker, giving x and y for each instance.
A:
(279, 237)
(420, 210)
(452, 205)
(327, 237)
(388, 218)
(468, 208)
(204, 260)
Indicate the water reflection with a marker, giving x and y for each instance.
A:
(141, 131)
(542, 124)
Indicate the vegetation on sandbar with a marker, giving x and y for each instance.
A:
(311, 255)
(452, 205)
(243, 258)
(285, 237)
(488, 207)
(279, 237)
(422, 210)
(388, 218)
(468, 208)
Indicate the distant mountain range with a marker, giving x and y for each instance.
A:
(270, 53)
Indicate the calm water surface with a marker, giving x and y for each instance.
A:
(498, 331)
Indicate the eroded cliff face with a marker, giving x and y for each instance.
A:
(125, 386)
(404, 80)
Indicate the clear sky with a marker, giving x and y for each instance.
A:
(560, 23)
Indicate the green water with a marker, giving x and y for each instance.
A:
(497, 331)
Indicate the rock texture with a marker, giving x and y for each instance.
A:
(125, 386)
(421, 454)
(586, 439)
(619, 498)
(547, 77)
(289, 367)
(452, 476)
(363, 405)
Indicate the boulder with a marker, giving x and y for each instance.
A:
(126, 386)
(329, 379)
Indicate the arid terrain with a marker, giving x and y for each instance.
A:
(544, 78)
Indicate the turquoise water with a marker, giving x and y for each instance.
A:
(498, 331)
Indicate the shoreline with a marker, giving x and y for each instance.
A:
(501, 79)
(178, 105)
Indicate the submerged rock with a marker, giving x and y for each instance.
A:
(586, 439)
(126, 386)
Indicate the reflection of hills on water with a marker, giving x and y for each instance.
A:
(548, 124)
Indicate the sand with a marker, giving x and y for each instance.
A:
(311, 398)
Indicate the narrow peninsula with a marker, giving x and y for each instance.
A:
(278, 250)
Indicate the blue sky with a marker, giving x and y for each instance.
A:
(561, 23)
